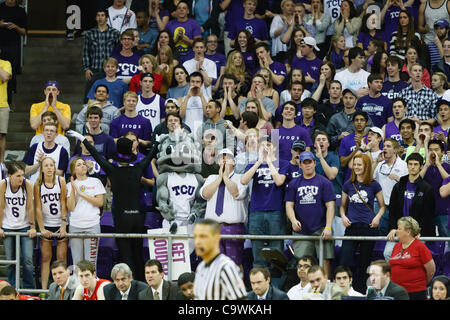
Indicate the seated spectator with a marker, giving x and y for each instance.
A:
(109, 111)
(317, 23)
(303, 265)
(393, 84)
(230, 97)
(296, 75)
(440, 288)
(51, 103)
(326, 109)
(165, 39)
(261, 287)
(268, 107)
(48, 148)
(321, 288)
(354, 77)
(411, 57)
(165, 66)
(159, 289)
(269, 91)
(150, 104)
(277, 69)
(124, 286)
(127, 59)
(321, 87)
(186, 285)
(120, 17)
(147, 64)
(116, 87)
(336, 52)
(60, 139)
(391, 129)
(348, 24)
(343, 276)
(405, 36)
(99, 43)
(91, 287)
(184, 29)
(166, 126)
(63, 285)
(245, 44)
(279, 26)
(382, 284)
(130, 120)
(180, 83)
(412, 264)
(308, 119)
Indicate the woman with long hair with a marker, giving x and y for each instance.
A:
(269, 91)
(358, 216)
(327, 73)
(164, 67)
(379, 63)
(85, 198)
(336, 52)
(348, 24)
(412, 56)
(405, 36)
(236, 66)
(439, 83)
(165, 39)
(245, 44)
(253, 105)
(180, 83)
(294, 52)
(50, 195)
(17, 215)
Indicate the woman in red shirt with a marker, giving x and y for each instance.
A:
(412, 265)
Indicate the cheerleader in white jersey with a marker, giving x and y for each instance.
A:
(17, 215)
(51, 214)
(84, 199)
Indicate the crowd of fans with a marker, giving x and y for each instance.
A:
(313, 118)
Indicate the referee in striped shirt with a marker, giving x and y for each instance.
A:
(217, 277)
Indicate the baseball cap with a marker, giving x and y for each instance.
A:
(348, 90)
(52, 83)
(300, 144)
(226, 151)
(441, 23)
(146, 74)
(306, 155)
(209, 132)
(174, 101)
(310, 41)
(377, 130)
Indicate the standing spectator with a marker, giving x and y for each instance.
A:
(327, 162)
(166, 126)
(405, 35)
(48, 148)
(321, 87)
(206, 13)
(310, 208)
(343, 276)
(212, 42)
(389, 168)
(120, 17)
(430, 12)
(17, 215)
(230, 97)
(294, 53)
(180, 83)
(436, 52)
(261, 287)
(63, 285)
(116, 87)
(277, 69)
(348, 24)
(326, 109)
(317, 23)
(245, 44)
(150, 104)
(91, 287)
(303, 264)
(84, 200)
(165, 39)
(441, 131)
(5, 76)
(359, 217)
(279, 26)
(391, 129)
(411, 262)
(50, 194)
(382, 284)
(60, 139)
(336, 51)
(411, 196)
(308, 119)
(375, 104)
(411, 57)
(227, 203)
(51, 103)
(309, 63)
(127, 59)
(354, 77)
(268, 91)
(158, 19)
(295, 76)
(443, 64)
(99, 43)
(420, 100)
(183, 30)
(369, 32)
(439, 84)
(422, 137)
(124, 286)
(393, 84)
(268, 175)
(165, 66)
(147, 64)
(235, 67)
(257, 27)
(321, 288)
(390, 14)
(147, 35)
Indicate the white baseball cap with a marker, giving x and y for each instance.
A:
(377, 130)
(226, 151)
(310, 41)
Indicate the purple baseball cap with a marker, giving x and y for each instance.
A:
(52, 83)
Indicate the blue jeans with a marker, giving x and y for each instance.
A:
(26, 248)
(441, 221)
(383, 227)
(265, 223)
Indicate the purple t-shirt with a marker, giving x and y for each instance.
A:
(445, 182)
(439, 129)
(433, 177)
(139, 125)
(309, 197)
(308, 66)
(257, 27)
(292, 172)
(346, 147)
(391, 17)
(128, 66)
(357, 210)
(266, 196)
(280, 70)
(392, 90)
(408, 197)
(365, 38)
(219, 59)
(287, 137)
(250, 62)
(392, 131)
(191, 29)
(298, 117)
(379, 109)
(234, 12)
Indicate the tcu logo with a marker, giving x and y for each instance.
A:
(183, 189)
(15, 201)
(128, 69)
(264, 172)
(311, 190)
(146, 113)
(50, 197)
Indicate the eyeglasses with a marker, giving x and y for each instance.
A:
(303, 266)
(384, 171)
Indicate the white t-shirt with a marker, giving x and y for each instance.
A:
(296, 292)
(352, 81)
(382, 172)
(85, 215)
(208, 65)
(121, 19)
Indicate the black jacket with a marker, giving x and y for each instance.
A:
(422, 208)
(170, 291)
(272, 294)
(393, 290)
(112, 293)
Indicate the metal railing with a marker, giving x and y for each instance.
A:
(170, 238)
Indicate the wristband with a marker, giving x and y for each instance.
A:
(33, 230)
(329, 228)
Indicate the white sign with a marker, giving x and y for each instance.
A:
(159, 250)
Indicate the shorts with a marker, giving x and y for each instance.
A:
(4, 119)
(312, 247)
(53, 230)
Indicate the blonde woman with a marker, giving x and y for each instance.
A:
(269, 91)
(50, 193)
(164, 67)
(236, 66)
(253, 105)
(439, 83)
(147, 64)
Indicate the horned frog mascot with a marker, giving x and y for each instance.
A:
(179, 180)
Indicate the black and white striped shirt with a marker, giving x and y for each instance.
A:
(220, 279)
